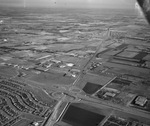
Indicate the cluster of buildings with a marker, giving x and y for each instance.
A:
(22, 101)
(95, 65)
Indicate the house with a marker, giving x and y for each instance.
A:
(41, 69)
(55, 61)
(109, 94)
(141, 101)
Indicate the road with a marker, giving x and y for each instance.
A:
(86, 99)
(53, 119)
(103, 86)
(103, 104)
(98, 103)
(92, 58)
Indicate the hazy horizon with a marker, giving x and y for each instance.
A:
(121, 4)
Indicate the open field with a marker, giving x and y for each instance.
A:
(51, 79)
(74, 67)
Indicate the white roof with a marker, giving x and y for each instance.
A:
(141, 100)
(36, 124)
(70, 64)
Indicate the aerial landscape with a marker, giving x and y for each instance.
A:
(74, 67)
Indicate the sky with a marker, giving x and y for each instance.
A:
(70, 3)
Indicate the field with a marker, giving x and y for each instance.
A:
(96, 61)
(7, 71)
(81, 117)
(49, 79)
(91, 88)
